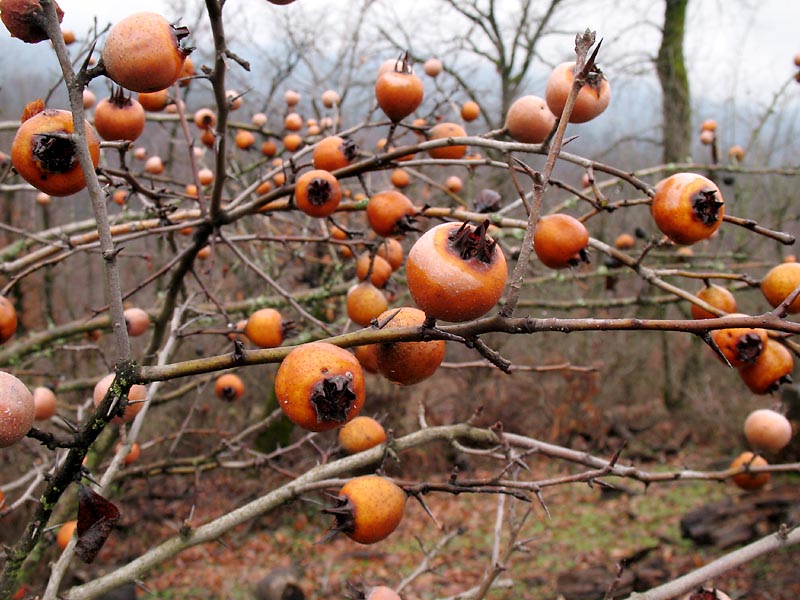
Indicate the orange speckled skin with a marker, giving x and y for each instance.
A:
(154, 101)
(8, 319)
(392, 250)
(716, 296)
(398, 94)
(407, 363)
(558, 240)
(142, 53)
(673, 212)
(779, 282)
(530, 120)
(65, 532)
(365, 302)
(728, 341)
(367, 355)
(378, 506)
(774, 362)
(62, 182)
(750, 481)
(362, 433)
(447, 130)
(381, 269)
(119, 121)
(20, 18)
(229, 386)
(17, 410)
(330, 154)
(592, 100)
(265, 328)
(386, 208)
(448, 287)
(300, 373)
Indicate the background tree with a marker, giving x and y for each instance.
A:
(675, 97)
(507, 41)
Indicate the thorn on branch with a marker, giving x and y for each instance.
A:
(238, 59)
(706, 337)
(112, 254)
(489, 354)
(49, 440)
(418, 497)
(453, 475)
(782, 309)
(238, 351)
(617, 453)
(475, 415)
(590, 62)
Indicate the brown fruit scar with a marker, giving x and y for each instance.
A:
(333, 398)
(55, 152)
(749, 347)
(706, 206)
(472, 242)
(319, 191)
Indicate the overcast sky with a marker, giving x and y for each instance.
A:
(741, 48)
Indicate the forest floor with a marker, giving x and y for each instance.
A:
(587, 529)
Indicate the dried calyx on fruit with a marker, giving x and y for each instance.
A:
(456, 272)
(560, 241)
(119, 117)
(334, 152)
(390, 212)
(399, 92)
(706, 205)
(687, 207)
(332, 397)
(368, 509)
(472, 242)
(320, 386)
(317, 193)
(706, 594)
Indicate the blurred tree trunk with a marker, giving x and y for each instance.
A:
(671, 69)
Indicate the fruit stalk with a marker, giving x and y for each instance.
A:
(583, 44)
